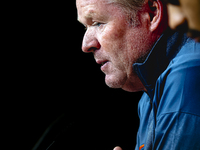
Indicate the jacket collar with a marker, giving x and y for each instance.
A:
(163, 51)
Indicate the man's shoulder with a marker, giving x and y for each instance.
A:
(189, 51)
(178, 87)
(187, 57)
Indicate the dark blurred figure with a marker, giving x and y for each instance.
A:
(185, 15)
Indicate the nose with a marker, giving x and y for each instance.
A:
(90, 43)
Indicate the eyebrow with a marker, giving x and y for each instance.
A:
(88, 16)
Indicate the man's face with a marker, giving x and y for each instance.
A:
(185, 13)
(116, 45)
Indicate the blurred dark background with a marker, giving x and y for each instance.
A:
(48, 76)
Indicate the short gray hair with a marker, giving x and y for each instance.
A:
(131, 8)
(131, 4)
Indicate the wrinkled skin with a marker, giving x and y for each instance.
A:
(115, 44)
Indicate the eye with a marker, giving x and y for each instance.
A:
(96, 24)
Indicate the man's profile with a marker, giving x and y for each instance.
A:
(118, 38)
(137, 51)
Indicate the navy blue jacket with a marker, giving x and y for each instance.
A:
(169, 111)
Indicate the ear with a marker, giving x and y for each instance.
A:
(155, 13)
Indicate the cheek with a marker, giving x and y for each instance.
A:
(112, 33)
(112, 41)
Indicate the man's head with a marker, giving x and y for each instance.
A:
(185, 15)
(120, 33)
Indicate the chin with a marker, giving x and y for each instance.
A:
(131, 89)
(114, 81)
(120, 81)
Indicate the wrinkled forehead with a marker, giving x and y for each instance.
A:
(84, 3)
(88, 6)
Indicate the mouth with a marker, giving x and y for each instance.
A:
(102, 62)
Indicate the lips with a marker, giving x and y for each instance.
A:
(104, 64)
(101, 62)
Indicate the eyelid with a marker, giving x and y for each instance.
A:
(95, 23)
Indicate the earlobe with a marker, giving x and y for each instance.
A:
(155, 14)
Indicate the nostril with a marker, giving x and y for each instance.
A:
(92, 49)
(90, 43)
(91, 46)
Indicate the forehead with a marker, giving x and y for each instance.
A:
(83, 3)
(90, 6)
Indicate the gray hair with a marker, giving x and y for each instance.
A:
(131, 8)
(131, 4)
